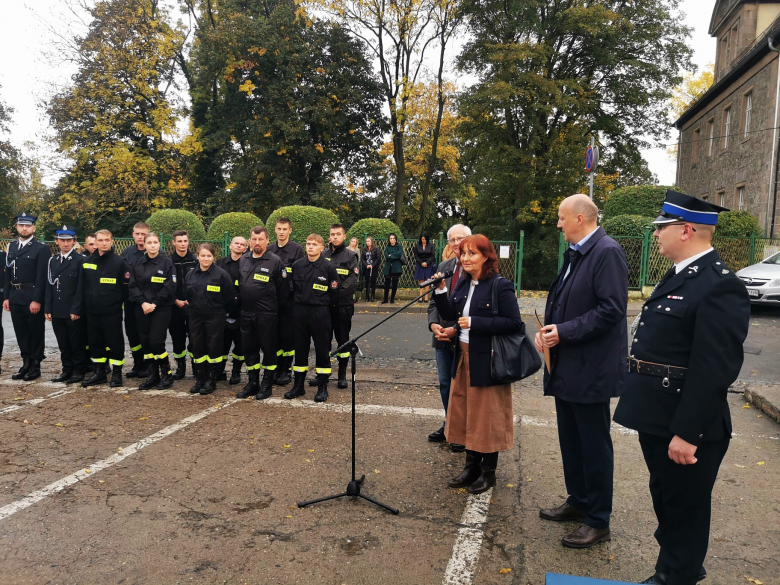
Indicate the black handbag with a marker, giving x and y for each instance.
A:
(513, 355)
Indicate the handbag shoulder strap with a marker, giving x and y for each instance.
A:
(495, 295)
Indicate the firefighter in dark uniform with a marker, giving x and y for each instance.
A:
(262, 285)
(151, 293)
(686, 351)
(184, 262)
(347, 267)
(2, 281)
(133, 254)
(64, 306)
(23, 294)
(233, 327)
(289, 253)
(211, 296)
(316, 289)
(106, 278)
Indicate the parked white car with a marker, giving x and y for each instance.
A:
(763, 280)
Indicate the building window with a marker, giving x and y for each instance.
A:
(748, 112)
(696, 145)
(741, 198)
(726, 127)
(710, 136)
(721, 196)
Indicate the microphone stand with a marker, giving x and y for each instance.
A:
(354, 486)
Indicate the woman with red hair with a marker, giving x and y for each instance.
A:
(479, 414)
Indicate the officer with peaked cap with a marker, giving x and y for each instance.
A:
(23, 294)
(686, 350)
(64, 306)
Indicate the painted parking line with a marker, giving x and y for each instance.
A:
(34, 401)
(82, 474)
(465, 554)
(530, 421)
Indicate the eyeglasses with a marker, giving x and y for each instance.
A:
(456, 240)
(661, 226)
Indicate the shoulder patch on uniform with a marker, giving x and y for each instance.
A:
(127, 275)
(334, 284)
(357, 270)
(284, 274)
(173, 278)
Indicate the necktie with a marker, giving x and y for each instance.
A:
(455, 277)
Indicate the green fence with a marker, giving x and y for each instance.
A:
(646, 266)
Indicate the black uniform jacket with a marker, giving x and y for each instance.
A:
(289, 254)
(183, 265)
(262, 283)
(433, 312)
(483, 323)
(315, 283)
(2, 272)
(230, 266)
(65, 286)
(132, 254)
(347, 267)
(697, 320)
(151, 281)
(26, 267)
(105, 282)
(210, 292)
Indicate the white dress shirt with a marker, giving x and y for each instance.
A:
(680, 266)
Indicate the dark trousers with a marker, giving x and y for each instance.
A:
(106, 340)
(131, 326)
(391, 281)
(285, 331)
(153, 331)
(258, 334)
(312, 322)
(232, 337)
(371, 276)
(179, 328)
(682, 500)
(207, 336)
(341, 323)
(588, 461)
(72, 342)
(30, 331)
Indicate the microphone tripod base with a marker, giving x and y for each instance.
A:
(353, 491)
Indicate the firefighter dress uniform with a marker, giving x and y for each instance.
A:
(2, 284)
(262, 285)
(106, 278)
(151, 281)
(65, 297)
(179, 327)
(232, 327)
(25, 282)
(316, 290)
(211, 297)
(289, 254)
(686, 350)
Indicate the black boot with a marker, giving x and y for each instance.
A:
(139, 369)
(392, 294)
(97, 377)
(34, 371)
(322, 388)
(200, 378)
(221, 374)
(253, 386)
(488, 478)
(283, 377)
(181, 369)
(470, 473)
(235, 376)
(154, 377)
(166, 376)
(23, 370)
(343, 372)
(266, 386)
(314, 382)
(211, 382)
(299, 388)
(64, 376)
(78, 376)
(116, 376)
(387, 291)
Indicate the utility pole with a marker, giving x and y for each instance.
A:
(591, 160)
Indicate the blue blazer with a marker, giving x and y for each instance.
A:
(483, 323)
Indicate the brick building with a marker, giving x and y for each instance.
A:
(728, 150)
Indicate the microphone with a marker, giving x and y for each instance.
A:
(445, 274)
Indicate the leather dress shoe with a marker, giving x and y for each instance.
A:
(457, 448)
(437, 436)
(586, 536)
(657, 579)
(563, 513)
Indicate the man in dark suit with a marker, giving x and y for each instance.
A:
(586, 332)
(686, 352)
(444, 331)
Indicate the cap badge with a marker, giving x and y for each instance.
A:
(64, 228)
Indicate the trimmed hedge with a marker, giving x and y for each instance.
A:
(737, 224)
(626, 225)
(644, 200)
(168, 221)
(236, 224)
(305, 220)
(379, 229)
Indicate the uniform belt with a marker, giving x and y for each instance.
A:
(21, 285)
(653, 369)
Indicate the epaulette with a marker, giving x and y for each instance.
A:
(722, 270)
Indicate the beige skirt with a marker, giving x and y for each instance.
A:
(478, 417)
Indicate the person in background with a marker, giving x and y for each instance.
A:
(393, 267)
(372, 262)
(90, 245)
(184, 262)
(229, 264)
(210, 296)
(424, 261)
(447, 253)
(480, 413)
(152, 291)
(2, 280)
(354, 245)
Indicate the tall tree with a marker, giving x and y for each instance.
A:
(11, 169)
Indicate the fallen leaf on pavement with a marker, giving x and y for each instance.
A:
(746, 406)
(59, 425)
(760, 463)
(505, 571)
(311, 450)
(287, 446)
(144, 418)
(740, 466)
(510, 485)
(87, 406)
(377, 471)
(754, 581)
(88, 471)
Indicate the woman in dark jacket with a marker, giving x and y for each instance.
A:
(393, 267)
(372, 260)
(424, 261)
(479, 414)
(152, 290)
